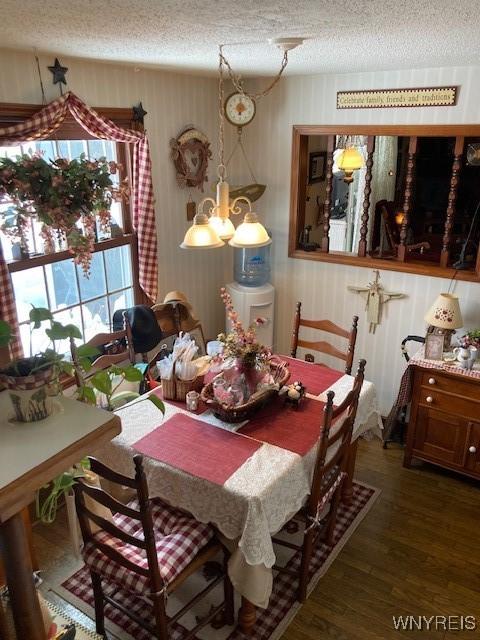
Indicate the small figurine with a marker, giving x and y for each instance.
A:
(294, 393)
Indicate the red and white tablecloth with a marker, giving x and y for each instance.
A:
(256, 500)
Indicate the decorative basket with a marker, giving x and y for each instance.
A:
(255, 402)
(169, 389)
(184, 386)
(176, 389)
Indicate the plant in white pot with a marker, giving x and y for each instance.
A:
(33, 381)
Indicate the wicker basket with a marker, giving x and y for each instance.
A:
(176, 389)
(246, 410)
(169, 389)
(184, 386)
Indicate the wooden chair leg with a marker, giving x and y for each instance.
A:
(332, 517)
(228, 594)
(99, 604)
(160, 617)
(307, 551)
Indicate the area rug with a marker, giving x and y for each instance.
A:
(271, 622)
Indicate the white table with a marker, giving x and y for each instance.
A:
(32, 454)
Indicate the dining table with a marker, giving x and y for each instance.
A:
(246, 479)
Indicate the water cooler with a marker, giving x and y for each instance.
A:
(252, 295)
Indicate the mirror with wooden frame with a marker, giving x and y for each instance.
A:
(404, 198)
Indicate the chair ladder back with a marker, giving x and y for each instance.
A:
(156, 580)
(318, 473)
(323, 346)
(348, 406)
(143, 515)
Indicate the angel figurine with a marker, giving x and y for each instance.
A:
(375, 296)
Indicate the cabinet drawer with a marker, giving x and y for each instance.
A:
(449, 402)
(436, 380)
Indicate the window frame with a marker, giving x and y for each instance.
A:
(298, 184)
(11, 114)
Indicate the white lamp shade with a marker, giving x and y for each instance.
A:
(223, 226)
(350, 160)
(445, 312)
(250, 234)
(201, 235)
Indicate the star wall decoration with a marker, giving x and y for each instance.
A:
(139, 113)
(58, 73)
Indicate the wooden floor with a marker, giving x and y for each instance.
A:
(416, 553)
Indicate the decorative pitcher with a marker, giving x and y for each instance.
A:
(466, 356)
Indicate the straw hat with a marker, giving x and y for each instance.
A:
(164, 311)
(177, 296)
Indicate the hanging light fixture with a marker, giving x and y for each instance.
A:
(209, 231)
(350, 160)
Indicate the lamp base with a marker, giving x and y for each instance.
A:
(446, 333)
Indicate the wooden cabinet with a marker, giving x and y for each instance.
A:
(444, 425)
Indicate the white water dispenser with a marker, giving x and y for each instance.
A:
(251, 303)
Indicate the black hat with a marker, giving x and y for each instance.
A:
(146, 333)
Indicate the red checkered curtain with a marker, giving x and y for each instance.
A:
(8, 311)
(45, 122)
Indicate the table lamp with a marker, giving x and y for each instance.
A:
(444, 316)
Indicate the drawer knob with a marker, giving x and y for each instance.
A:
(472, 449)
(429, 399)
(431, 381)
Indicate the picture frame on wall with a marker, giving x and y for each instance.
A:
(317, 161)
(434, 345)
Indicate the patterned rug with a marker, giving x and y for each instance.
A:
(271, 622)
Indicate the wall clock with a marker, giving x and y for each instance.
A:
(190, 152)
(239, 109)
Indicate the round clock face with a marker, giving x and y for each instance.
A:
(239, 109)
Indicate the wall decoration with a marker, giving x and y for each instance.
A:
(376, 297)
(139, 113)
(381, 98)
(190, 152)
(316, 166)
(58, 73)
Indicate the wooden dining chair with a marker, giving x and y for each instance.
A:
(148, 549)
(114, 348)
(328, 478)
(322, 346)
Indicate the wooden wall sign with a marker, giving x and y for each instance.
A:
(386, 98)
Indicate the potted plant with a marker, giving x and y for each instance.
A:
(32, 381)
(471, 339)
(66, 196)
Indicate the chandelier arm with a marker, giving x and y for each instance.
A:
(236, 209)
(211, 211)
(238, 82)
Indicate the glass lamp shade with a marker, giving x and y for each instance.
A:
(251, 233)
(350, 160)
(223, 226)
(201, 235)
(445, 312)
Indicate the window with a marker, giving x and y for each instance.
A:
(53, 280)
(411, 204)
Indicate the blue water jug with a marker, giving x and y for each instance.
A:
(252, 266)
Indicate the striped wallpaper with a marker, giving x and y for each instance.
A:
(320, 286)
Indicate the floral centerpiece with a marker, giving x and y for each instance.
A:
(64, 195)
(241, 344)
(248, 377)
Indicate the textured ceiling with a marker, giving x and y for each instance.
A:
(347, 35)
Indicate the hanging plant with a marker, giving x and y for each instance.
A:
(66, 196)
